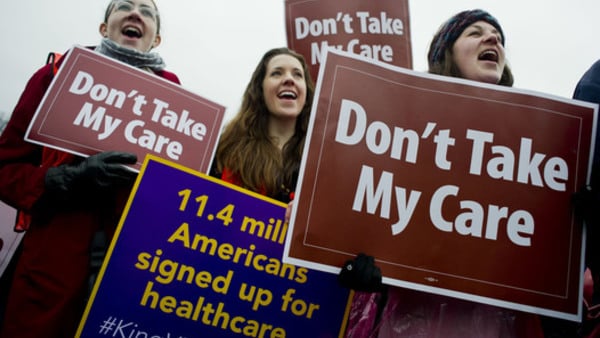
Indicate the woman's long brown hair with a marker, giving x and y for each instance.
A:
(245, 147)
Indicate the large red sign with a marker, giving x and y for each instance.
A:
(377, 29)
(96, 103)
(455, 187)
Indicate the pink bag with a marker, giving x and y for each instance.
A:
(591, 320)
(415, 314)
(363, 313)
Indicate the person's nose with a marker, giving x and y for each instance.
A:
(135, 13)
(491, 37)
(288, 78)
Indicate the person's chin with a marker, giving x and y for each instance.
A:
(130, 44)
(489, 78)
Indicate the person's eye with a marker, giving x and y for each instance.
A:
(148, 12)
(124, 6)
(299, 75)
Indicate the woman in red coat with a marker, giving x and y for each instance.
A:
(63, 199)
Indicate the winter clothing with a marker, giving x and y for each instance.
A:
(408, 313)
(130, 56)
(398, 312)
(51, 279)
(284, 195)
(588, 89)
(98, 173)
(362, 274)
(453, 28)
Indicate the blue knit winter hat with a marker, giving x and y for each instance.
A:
(453, 28)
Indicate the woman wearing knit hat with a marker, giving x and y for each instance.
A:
(469, 45)
(463, 34)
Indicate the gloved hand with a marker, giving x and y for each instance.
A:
(361, 274)
(586, 204)
(583, 203)
(101, 172)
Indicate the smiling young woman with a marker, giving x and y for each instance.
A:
(261, 147)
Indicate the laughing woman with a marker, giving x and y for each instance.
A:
(65, 200)
(261, 148)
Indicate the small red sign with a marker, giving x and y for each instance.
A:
(96, 104)
(375, 29)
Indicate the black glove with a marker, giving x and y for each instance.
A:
(583, 203)
(98, 173)
(361, 274)
(586, 204)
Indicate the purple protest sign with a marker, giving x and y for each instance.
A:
(194, 256)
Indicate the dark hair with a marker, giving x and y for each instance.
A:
(245, 147)
(111, 5)
(440, 56)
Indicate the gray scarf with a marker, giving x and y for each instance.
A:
(130, 56)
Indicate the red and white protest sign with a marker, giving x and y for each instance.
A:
(455, 187)
(377, 29)
(96, 103)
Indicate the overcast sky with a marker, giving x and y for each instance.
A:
(214, 46)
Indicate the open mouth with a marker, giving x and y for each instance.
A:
(489, 55)
(287, 94)
(132, 32)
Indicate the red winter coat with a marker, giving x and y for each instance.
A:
(47, 296)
